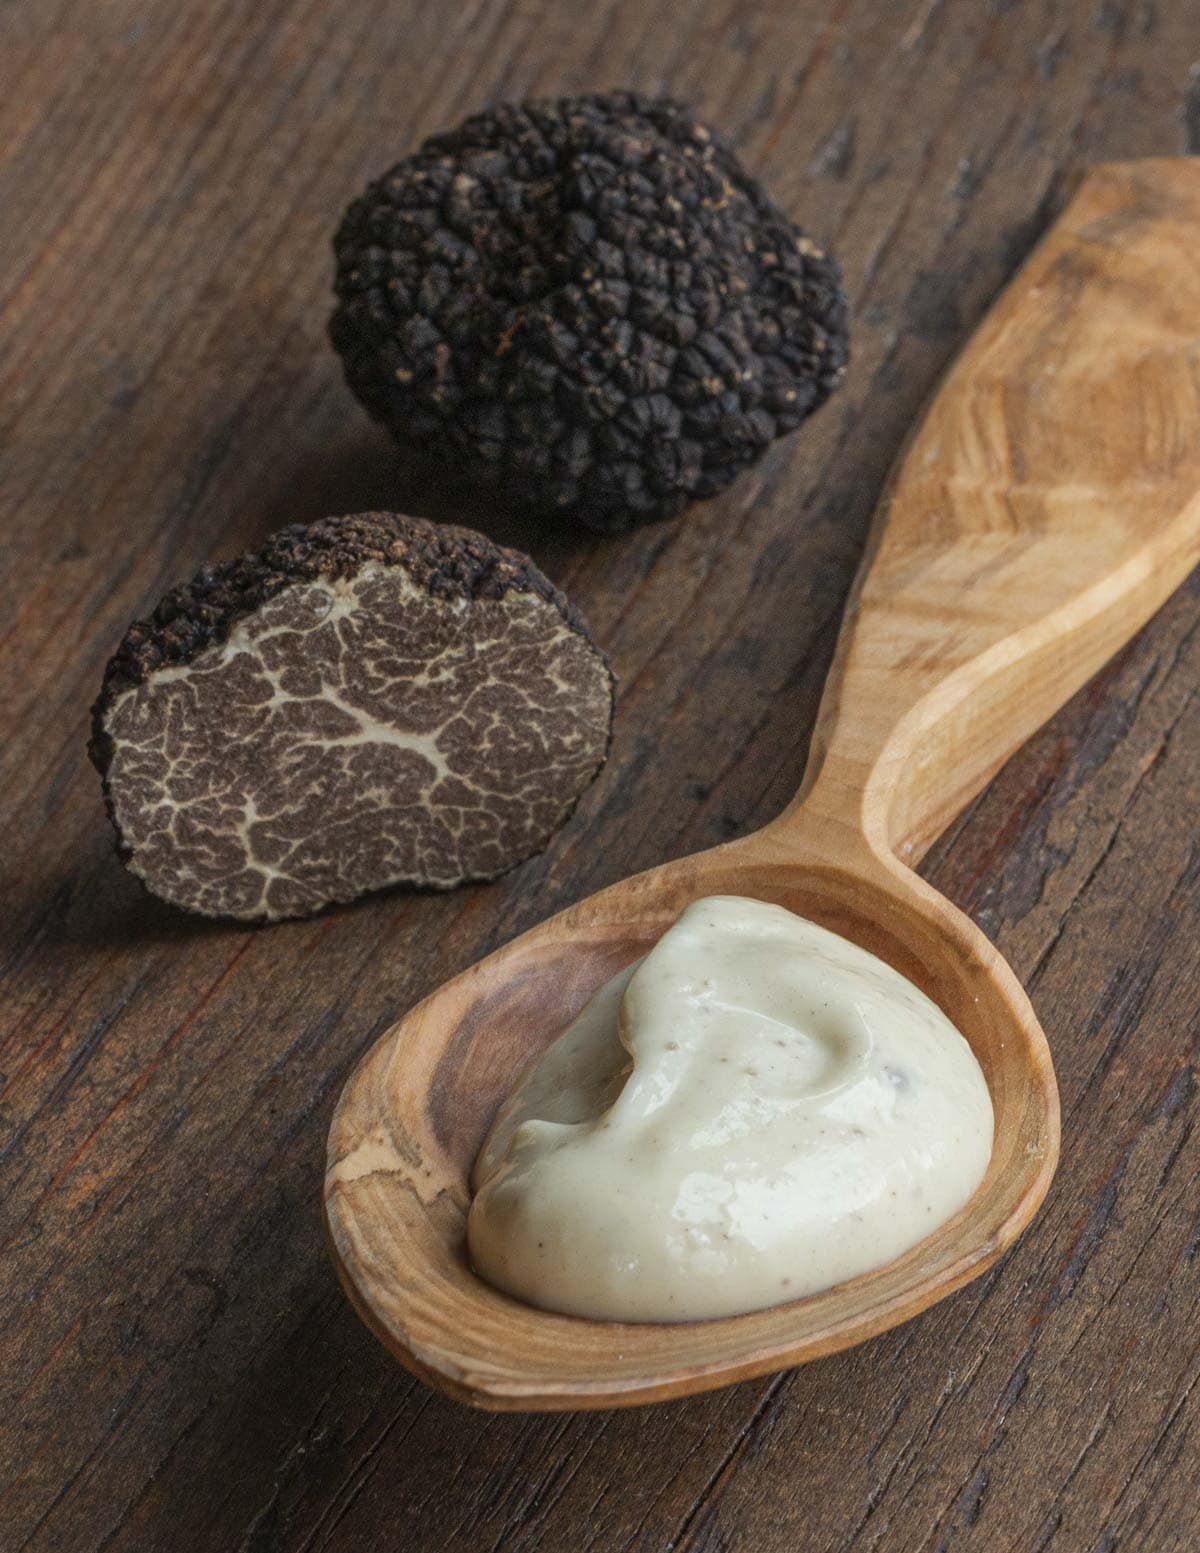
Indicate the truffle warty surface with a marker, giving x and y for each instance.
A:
(365, 701)
(588, 303)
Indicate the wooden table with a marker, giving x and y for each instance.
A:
(179, 1370)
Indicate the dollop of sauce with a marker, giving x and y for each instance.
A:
(757, 1110)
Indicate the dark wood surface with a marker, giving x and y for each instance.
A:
(178, 1369)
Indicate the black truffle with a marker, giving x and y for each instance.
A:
(365, 701)
(586, 303)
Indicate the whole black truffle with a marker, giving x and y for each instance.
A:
(364, 701)
(587, 303)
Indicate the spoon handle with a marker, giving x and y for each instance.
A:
(1045, 507)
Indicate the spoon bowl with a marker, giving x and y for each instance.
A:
(417, 1110)
(1045, 507)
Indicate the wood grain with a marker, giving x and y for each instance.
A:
(179, 1368)
(1046, 505)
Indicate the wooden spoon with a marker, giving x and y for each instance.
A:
(1046, 506)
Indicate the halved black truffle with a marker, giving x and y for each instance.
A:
(587, 303)
(365, 701)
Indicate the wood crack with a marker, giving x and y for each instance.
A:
(690, 1528)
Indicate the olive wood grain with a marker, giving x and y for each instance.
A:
(1045, 507)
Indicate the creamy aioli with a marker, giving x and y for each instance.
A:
(757, 1110)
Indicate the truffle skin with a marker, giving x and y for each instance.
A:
(365, 701)
(587, 304)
